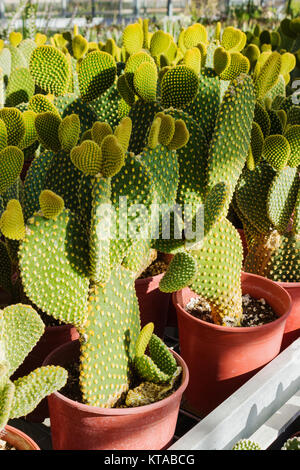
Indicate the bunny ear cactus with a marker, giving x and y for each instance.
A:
(20, 329)
(88, 280)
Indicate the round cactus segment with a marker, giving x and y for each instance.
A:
(277, 151)
(180, 273)
(11, 164)
(214, 282)
(133, 63)
(160, 43)
(123, 132)
(238, 64)
(145, 81)
(113, 156)
(20, 87)
(179, 87)
(60, 289)
(51, 204)
(192, 59)
(87, 157)
(233, 39)
(180, 137)
(47, 126)
(79, 46)
(167, 128)
(222, 60)
(268, 75)
(125, 91)
(257, 142)
(282, 197)
(14, 123)
(50, 69)
(41, 104)
(133, 38)
(293, 137)
(30, 135)
(97, 73)
(69, 131)
(113, 315)
(15, 38)
(12, 221)
(99, 131)
(194, 34)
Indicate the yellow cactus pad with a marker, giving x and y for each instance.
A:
(113, 156)
(12, 221)
(51, 204)
(87, 157)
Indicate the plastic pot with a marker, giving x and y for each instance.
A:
(292, 326)
(18, 439)
(153, 303)
(75, 426)
(53, 337)
(221, 359)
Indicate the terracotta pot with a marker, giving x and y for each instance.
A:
(76, 426)
(292, 327)
(153, 303)
(53, 337)
(18, 439)
(221, 359)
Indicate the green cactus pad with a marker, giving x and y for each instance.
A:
(111, 331)
(195, 34)
(238, 64)
(97, 73)
(50, 69)
(261, 117)
(228, 150)
(99, 131)
(222, 60)
(30, 390)
(143, 339)
(11, 164)
(113, 156)
(51, 204)
(6, 400)
(293, 137)
(47, 125)
(133, 38)
(14, 123)
(141, 115)
(34, 182)
(79, 46)
(257, 142)
(106, 106)
(246, 444)
(69, 131)
(214, 280)
(268, 75)
(132, 65)
(204, 109)
(41, 104)
(180, 273)
(252, 196)
(215, 206)
(20, 330)
(233, 39)
(125, 91)
(99, 233)
(276, 151)
(12, 221)
(123, 132)
(20, 87)
(282, 198)
(179, 87)
(145, 81)
(47, 288)
(30, 135)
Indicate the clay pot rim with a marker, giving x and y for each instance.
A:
(22, 435)
(145, 280)
(124, 411)
(289, 285)
(237, 329)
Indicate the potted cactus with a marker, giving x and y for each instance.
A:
(88, 274)
(267, 199)
(20, 329)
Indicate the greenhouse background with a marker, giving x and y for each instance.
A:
(55, 15)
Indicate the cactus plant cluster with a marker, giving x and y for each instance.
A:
(20, 330)
(194, 122)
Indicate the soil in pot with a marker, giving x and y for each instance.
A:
(256, 312)
(222, 358)
(76, 426)
(153, 303)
